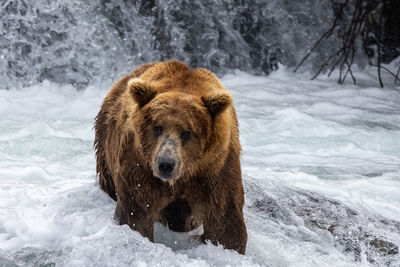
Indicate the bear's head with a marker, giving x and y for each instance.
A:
(174, 129)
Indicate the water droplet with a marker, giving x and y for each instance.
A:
(131, 213)
(147, 205)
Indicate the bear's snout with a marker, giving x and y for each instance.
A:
(167, 162)
(166, 166)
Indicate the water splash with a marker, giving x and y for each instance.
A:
(78, 42)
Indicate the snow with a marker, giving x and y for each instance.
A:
(316, 155)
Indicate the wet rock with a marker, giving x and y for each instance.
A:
(352, 232)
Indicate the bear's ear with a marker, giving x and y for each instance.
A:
(216, 104)
(141, 92)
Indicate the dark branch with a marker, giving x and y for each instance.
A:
(366, 16)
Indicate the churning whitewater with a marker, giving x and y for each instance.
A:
(320, 163)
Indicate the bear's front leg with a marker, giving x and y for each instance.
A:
(136, 219)
(228, 230)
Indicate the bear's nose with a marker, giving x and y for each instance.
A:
(166, 166)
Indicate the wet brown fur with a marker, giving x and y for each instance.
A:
(210, 190)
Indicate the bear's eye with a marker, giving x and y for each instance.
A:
(185, 136)
(157, 130)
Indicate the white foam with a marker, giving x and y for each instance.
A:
(341, 141)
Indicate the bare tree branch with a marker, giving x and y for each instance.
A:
(365, 16)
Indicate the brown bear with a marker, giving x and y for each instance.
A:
(167, 150)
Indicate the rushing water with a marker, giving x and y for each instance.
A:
(321, 168)
(79, 42)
